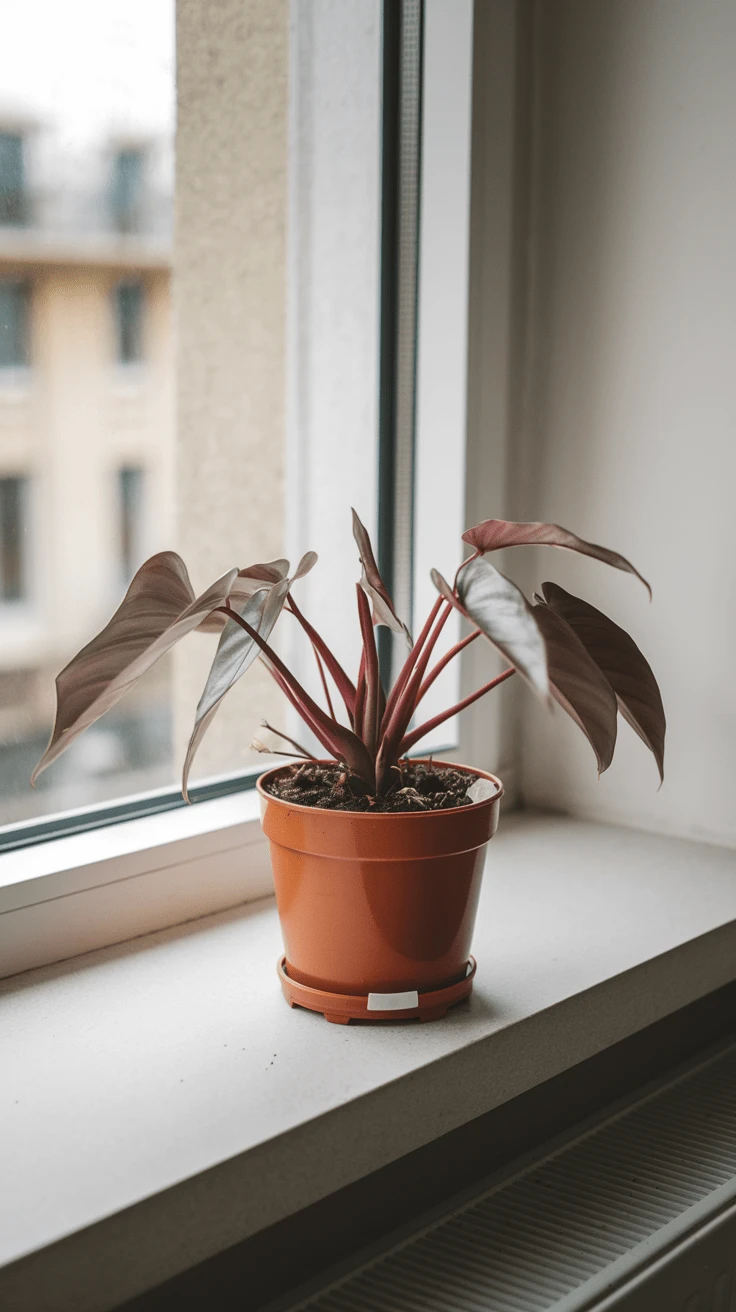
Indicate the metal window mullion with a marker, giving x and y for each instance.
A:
(401, 181)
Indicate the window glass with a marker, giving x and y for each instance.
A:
(130, 508)
(128, 301)
(276, 372)
(12, 539)
(13, 323)
(12, 179)
(126, 190)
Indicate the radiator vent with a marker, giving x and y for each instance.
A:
(568, 1230)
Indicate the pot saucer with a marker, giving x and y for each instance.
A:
(340, 1008)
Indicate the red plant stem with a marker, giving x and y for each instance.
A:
(343, 683)
(411, 660)
(393, 727)
(360, 693)
(268, 751)
(462, 566)
(342, 742)
(323, 677)
(300, 709)
(301, 750)
(428, 725)
(445, 660)
(368, 728)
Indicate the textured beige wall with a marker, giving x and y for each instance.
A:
(230, 325)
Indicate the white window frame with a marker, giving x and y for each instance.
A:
(82, 891)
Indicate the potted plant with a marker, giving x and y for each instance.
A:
(377, 857)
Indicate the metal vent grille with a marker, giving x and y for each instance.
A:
(567, 1230)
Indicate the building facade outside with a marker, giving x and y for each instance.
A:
(86, 385)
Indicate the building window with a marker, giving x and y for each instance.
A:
(130, 513)
(14, 300)
(12, 539)
(13, 198)
(128, 300)
(126, 190)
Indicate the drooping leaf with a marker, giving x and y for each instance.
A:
(495, 534)
(627, 670)
(247, 582)
(374, 586)
(236, 652)
(158, 609)
(503, 614)
(578, 685)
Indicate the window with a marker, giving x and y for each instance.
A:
(130, 505)
(282, 357)
(13, 201)
(14, 301)
(126, 190)
(281, 379)
(12, 539)
(129, 304)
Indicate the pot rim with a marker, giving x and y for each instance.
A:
(370, 816)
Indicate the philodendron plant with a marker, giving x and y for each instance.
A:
(561, 645)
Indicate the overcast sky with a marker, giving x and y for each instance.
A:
(82, 69)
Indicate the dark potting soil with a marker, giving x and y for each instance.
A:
(417, 787)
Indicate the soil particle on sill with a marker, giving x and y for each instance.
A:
(417, 787)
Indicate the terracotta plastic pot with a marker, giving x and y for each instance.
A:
(377, 903)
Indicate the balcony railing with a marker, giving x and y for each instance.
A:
(74, 212)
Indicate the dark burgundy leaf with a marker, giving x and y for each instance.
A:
(158, 609)
(627, 670)
(374, 586)
(373, 705)
(236, 650)
(495, 534)
(578, 685)
(503, 614)
(248, 581)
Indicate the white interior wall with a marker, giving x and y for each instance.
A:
(634, 399)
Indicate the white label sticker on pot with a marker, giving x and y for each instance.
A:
(481, 790)
(393, 1001)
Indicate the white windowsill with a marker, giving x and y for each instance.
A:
(163, 1093)
(74, 894)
